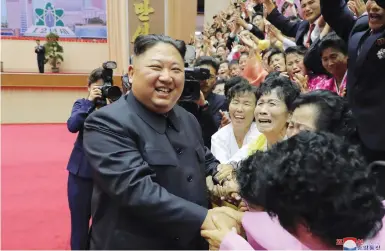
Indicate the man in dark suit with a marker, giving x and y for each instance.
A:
(80, 182)
(40, 51)
(366, 76)
(306, 32)
(148, 159)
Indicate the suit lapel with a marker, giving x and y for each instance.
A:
(302, 31)
(366, 46)
(354, 45)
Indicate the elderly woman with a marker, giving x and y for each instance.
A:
(274, 99)
(314, 188)
(322, 110)
(242, 130)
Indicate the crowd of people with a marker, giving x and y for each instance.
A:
(275, 153)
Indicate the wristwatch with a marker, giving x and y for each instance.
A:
(205, 106)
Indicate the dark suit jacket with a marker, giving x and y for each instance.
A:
(366, 71)
(40, 52)
(78, 163)
(298, 30)
(149, 173)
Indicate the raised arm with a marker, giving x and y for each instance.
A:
(283, 24)
(338, 16)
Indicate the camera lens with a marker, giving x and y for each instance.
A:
(114, 93)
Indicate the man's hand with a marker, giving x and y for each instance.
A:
(202, 100)
(94, 93)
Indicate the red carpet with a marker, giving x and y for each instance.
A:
(34, 207)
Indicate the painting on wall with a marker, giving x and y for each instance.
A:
(85, 19)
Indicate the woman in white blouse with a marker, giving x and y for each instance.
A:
(242, 130)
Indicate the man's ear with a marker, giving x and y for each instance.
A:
(130, 73)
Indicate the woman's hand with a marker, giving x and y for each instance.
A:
(302, 81)
(225, 120)
(215, 237)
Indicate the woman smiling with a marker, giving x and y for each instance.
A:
(242, 130)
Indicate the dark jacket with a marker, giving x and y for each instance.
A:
(78, 163)
(298, 30)
(149, 175)
(366, 75)
(40, 51)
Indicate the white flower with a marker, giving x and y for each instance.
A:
(381, 54)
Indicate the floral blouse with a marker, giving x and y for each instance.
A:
(317, 82)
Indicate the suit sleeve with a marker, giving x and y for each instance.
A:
(210, 161)
(283, 24)
(121, 172)
(257, 32)
(337, 14)
(79, 113)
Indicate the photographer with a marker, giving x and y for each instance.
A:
(210, 105)
(80, 183)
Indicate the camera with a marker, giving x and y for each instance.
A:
(192, 86)
(109, 91)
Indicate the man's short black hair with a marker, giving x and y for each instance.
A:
(95, 75)
(145, 42)
(243, 86)
(286, 90)
(206, 60)
(334, 114)
(318, 180)
(274, 51)
(332, 40)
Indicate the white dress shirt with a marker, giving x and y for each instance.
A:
(224, 145)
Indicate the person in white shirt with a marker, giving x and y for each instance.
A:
(242, 130)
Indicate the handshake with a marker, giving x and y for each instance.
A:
(227, 189)
(219, 222)
(222, 220)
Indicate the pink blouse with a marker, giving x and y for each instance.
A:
(266, 233)
(324, 83)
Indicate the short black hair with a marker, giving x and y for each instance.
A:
(144, 42)
(206, 60)
(244, 54)
(316, 179)
(300, 50)
(334, 114)
(234, 81)
(286, 90)
(241, 87)
(332, 40)
(223, 62)
(95, 75)
(274, 51)
(233, 62)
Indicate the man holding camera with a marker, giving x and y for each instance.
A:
(80, 184)
(210, 104)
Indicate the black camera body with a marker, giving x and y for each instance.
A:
(192, 87)
(109, 91)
